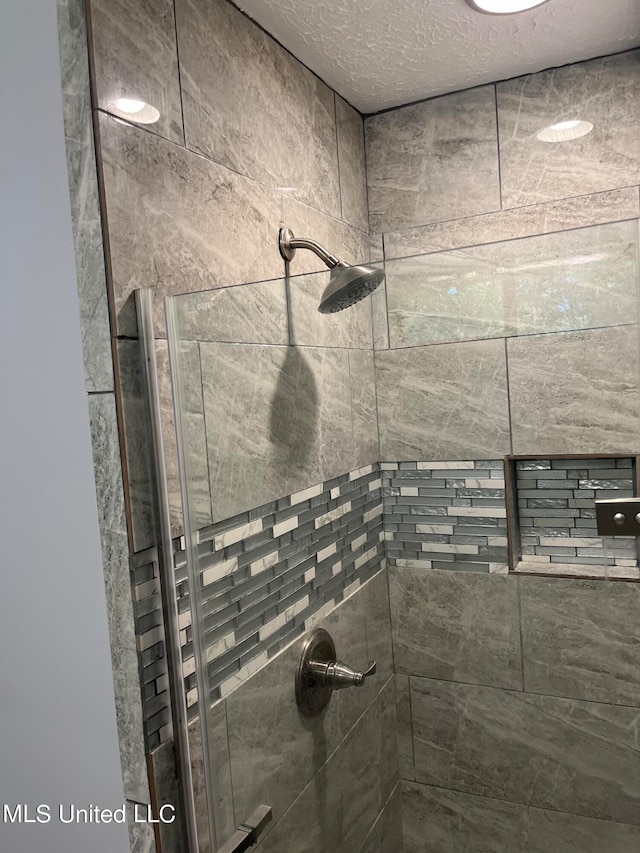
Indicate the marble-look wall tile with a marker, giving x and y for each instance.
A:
(342, 802)
(83, 192)
(568, 833)
(253, 313)
(380, 317)
(179, 223)
(108, 478)
(378, 625)
(224, 817)
(141, 835)
(199, 782)
(308, 327)
(443, 402)
(363, 406)
(594, 209)
(442, 821)
(575, 392)
(277, 420)
(274, 751)
(376, 248)
(581, 639)
(353, 170)
(405, 727)
(343, 240)
(562, 754)
(578, 279)
(165, 791)
(456, 626)
(432, 161)
(137, 446)
(386, 834)
(603, 92)
(135, 56)
(126, 681)
(252, 107)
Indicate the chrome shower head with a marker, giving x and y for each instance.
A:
(347, 285)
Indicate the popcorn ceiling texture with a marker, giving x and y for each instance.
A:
(379, 54)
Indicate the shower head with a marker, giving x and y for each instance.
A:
(347, 285)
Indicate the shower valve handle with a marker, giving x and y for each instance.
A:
(337, 675)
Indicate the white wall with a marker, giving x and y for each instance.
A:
(58, 741)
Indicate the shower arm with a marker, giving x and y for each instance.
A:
(288, 245)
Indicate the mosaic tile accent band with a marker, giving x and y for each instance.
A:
(557, 516)
(267, 576)
(446, 515)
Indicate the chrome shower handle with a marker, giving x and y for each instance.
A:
(337, 675)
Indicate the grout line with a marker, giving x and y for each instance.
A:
(495, 92)
(520, 631)
(506, 367)
(175, 30)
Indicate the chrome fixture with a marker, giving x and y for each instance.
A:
(319, 674)
(246, 835)
(618, 517)
(347, 285)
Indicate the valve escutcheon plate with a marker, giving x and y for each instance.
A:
(312, 697)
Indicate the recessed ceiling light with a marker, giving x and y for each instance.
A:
(504, 7)
(135, 110)
(564, 131)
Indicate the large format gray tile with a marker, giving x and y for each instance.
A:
(405, 727)
(363, 401)
(378, 625)
(432, 161)
(442, 821)
(386, 834)
(443, 402)
(220, 772)
(578, 279)
(562, 754)
(340, 805)
(135, 56)
(141, 835)
(581, 639)
(545, 218)
(179, 223)
(603, 92)
(575, 392)
(568, 833)
(126, 681)
(220, 768)
(277, 419)
(108, 478)
(343, 240)
(456, 626)
(274, 751)
(251, 106)
(83, 192)
(308, 327)
(166, 791)
(351, 159)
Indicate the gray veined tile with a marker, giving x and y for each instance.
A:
(346, 242)
(543, 751)
(405, 727)
(603, 92)
(135, 56)
(378, 625)
(458, 627)
(581, 639)
(351, 158)
(349, 328)
(166, 792)
(220, 768)
(362, 379)
(569, 833)
(544, 218)
(442, 821)
(432, 161)
(575, 392)
(108, 477)
(575, 279)
(141, 835)
(83, 192)
(251, 106)
(179, 223)
(277, 419)
(253, 313)
(443, 402)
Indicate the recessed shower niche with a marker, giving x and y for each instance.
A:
(551, 515)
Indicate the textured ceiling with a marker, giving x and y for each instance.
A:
(383, 53)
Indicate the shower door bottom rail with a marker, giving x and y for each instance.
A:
(246, 835)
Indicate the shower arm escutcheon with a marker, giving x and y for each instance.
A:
(320, 673)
